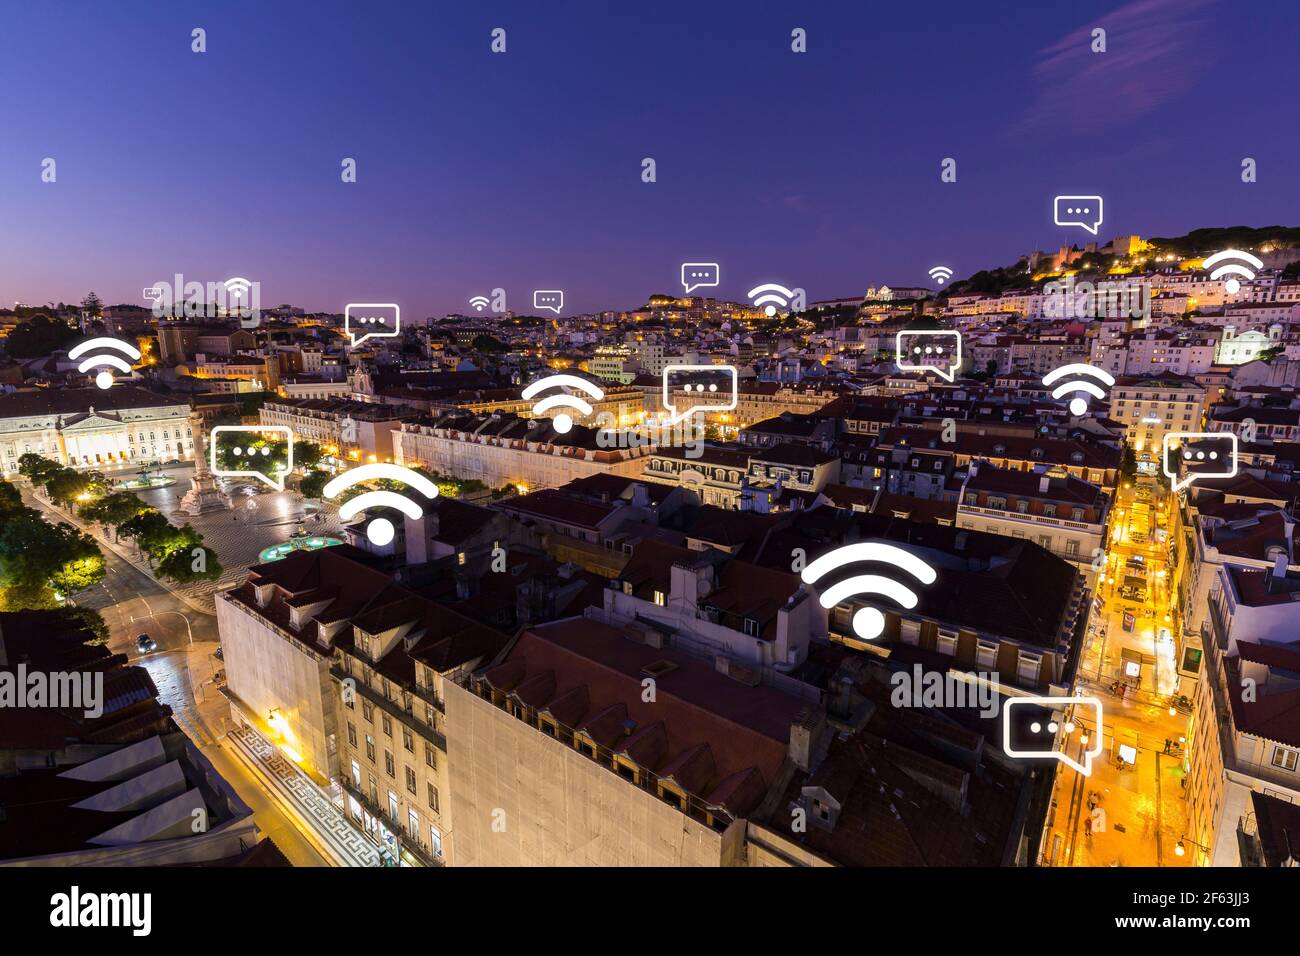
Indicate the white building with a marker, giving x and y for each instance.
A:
(1238, 348)
(94, 428)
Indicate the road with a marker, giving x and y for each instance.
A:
(1140, 806)
(184, 669)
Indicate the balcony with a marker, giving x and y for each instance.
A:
(412, 844)
(1002, 513)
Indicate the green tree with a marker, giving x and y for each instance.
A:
(113, 510)
(80, 572)
(307, 455)
(1128, 462)
(147, 529)
(66, 486)
(313, 486)
(188, 565)
(36, 554)
(37, 468)
(10, 499)
(39, 335)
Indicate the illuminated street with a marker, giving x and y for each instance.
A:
(1133, 672)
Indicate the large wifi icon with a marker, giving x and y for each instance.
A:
(564, 421)
(1077, 380)
(380, 531)
(104, 359)
(868, 622)
(1222, 264)
(771, 297)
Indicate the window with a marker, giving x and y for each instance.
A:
(356, 775)
(413, 823)
(433, 798)
(430, 756)
(408, 741)
(392, 806)
(370, 748)
(389, 767)
(368, 711)
(946, 643)
(387, 724)
(374, 788)
(435, 841)
(1284, 759)
(1028, 667)
(410, 781)
(909, 631)
(986, 653)
(352, 734)
(661, 599)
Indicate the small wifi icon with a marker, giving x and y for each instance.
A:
(563, 421)
(106, 359)
(771, 297)
(480, 302)
(1229, 262)
(238, 287)
(940, 274)
(868, 622)
(380, 531)
(1074, 383)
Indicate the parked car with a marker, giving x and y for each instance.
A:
(144, 644)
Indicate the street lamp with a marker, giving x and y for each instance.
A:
(1180, 848)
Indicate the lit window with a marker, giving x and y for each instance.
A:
(661, 599)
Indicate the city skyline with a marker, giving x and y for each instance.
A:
(472, 175)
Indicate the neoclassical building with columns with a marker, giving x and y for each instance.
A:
(94, 428)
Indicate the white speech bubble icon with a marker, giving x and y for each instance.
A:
(1069, 730)
(716, 386)
(371, 320)
(700, 275)
(1188, 457)
(928, 350)
(1082, 211)
(552, 299)
(251, 454)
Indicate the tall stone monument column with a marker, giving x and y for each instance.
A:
(204, 496)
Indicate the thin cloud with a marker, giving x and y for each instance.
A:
(1155, 51)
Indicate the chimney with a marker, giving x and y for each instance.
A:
(1044, 483)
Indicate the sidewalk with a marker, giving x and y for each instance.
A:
(330, 832)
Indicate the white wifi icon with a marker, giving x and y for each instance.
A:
(104, 360)
(940, 274)
(771, 297)
(563, 421)
(1078, 404)
(380, 531)
(1231, 268)
(238, 286)
(868, 622)
(480, 302)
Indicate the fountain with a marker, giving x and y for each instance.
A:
(300, 540)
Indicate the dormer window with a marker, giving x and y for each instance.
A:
(751, 627)
(661, 599)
